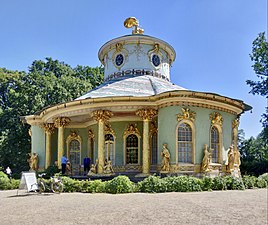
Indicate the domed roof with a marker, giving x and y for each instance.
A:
(137, 86)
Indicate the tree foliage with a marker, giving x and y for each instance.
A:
(254, 154)
(259, 57)
(24, 93)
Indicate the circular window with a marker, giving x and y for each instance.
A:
(119, 59)
(156, 60)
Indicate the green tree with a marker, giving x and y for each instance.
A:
(259, 57)
(47, 83)
(254, 154)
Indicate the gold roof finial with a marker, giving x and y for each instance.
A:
(133, 22)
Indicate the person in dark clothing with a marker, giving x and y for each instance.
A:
(86, 164)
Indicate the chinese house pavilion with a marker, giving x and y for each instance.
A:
(135, 112)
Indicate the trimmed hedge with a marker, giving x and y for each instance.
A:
(152, 184)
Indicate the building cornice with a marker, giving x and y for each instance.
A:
(125, 104)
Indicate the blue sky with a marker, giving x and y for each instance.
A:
(212, 39)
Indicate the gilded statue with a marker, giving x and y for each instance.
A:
(33, 161)
(108, 168)
(165, 158)
(93, 169)
(205, 166)
(68, 168)
(231, 159)
(133, 22)
(237, 160)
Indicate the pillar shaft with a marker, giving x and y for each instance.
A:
(146, 148)
(60, 144)
(48, 149)
(101, 146)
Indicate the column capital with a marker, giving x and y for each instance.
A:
(102, 115)
(146, 114)
(49, 128)
(61, 121)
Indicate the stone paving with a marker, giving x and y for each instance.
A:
(218, 207)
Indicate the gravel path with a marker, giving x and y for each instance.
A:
(219, 207)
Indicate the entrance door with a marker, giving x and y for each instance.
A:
(75, 155)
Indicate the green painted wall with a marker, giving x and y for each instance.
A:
(39, 144)
(119, 128)
(167, 129)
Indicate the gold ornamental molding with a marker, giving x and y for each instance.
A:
(61, 121)
(146, 114)
(108, 129)
(216, 118)
(235, 123)
(49, 127)
(131, 129)
(90, 134)
(186, 114)
(102, 115)
(153, 128)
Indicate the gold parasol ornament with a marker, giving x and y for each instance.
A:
(134, 23)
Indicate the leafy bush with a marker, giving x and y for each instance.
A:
(264, 176)
(71, 185)
(207, 183)
(96, 186)
(219, 183)
(262, 181)
(249, 181)
(234, 183)
(152, 184)
(6, 183)
(120, 184)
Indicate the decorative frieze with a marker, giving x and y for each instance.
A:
(102, 115)
(146, 114)
(186, 114)
(61, 121)
(216, 118)
(49, 127)
(136, 72)
(90, 134)
(132, 129)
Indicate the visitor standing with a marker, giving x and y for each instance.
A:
(63, 164)
(8, 172)
(86, 165)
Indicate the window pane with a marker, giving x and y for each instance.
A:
(185, 145)
(215, 144)
(132, 149)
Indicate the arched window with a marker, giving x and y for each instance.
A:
(109, 147)
(132, 149)
(215, 144)
(185, 143)
(154, 148)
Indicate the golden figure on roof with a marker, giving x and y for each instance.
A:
(133, 22)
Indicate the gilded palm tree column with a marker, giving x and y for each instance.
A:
(101, 116)
(60, 123)
(146, 115)
(49, 129)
